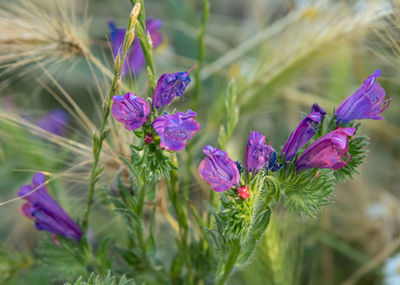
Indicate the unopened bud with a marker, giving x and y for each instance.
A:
(244, 192)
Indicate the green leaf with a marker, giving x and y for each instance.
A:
(358, 151)
(102, 255)
(69, 260)
(307, 191)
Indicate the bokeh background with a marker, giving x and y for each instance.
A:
(284, 56)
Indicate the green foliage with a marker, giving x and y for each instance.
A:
(64, 262)
(358, 151)
(306, 192)
(129, 202)
(149, 161)
(12, 264)
(246, 220)
(99, 280)
(231, 114)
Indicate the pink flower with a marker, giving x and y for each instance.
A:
(330, 151)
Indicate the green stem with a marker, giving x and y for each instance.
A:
(141, 239)
(180, 205)
(201, 52)
(104, 129)
(225, 270)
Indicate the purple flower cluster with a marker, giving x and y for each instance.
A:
(45, 211)
(329, 151)
(174, 130)
(134, 60)
(222, 173)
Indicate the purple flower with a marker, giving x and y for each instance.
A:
(169, 86)
(304, 132)
(130, 110)
(175, 130)
(55, 121)
(218, 169)
(134, 59)
(45, 211)
(257, 153)
(366, 103)
(330, 151)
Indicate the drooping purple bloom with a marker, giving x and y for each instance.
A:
(304, 132)
(169, 86)
(218, 169)
(176, 129)
(130, 110)
(330, 151)
(134, 60)
(257, 153)
(55, 121)
(366, 103)
(45, 211)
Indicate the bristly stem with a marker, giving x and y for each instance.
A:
(201, 52)
(225, 269)
(104, 129)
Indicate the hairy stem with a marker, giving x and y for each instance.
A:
(225, 269)
(104, 128)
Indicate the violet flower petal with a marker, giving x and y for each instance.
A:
(304, 132)
(218, 169)
(55, 121)
(169, 86)
(366, 103)
(45, 211)
(130, 110)
(176, 129)
(257, 153)
(330, 151)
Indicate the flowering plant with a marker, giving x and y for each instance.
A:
(164, 233)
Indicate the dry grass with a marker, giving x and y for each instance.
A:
(34, 31)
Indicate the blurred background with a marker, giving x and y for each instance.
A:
(55, 65)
